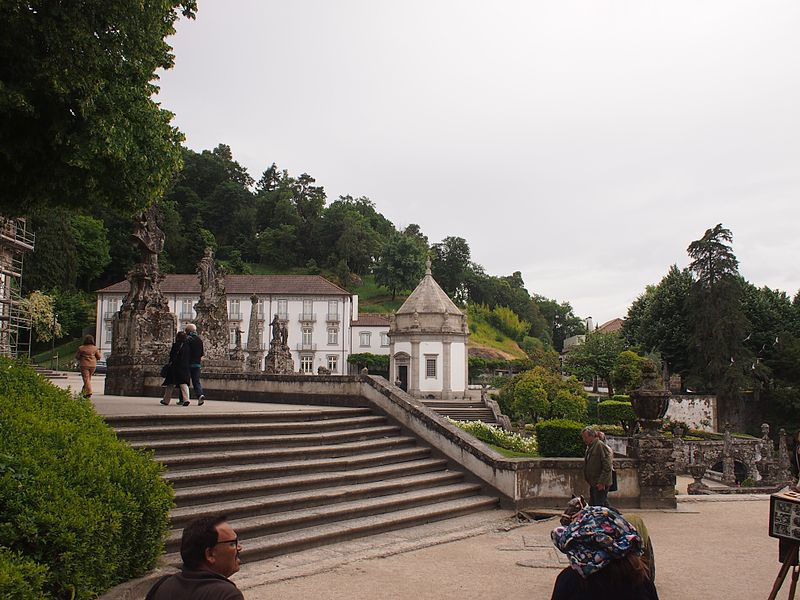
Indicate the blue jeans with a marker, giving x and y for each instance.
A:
(198, 387)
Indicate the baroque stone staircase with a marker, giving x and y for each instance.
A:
(462, 410)
(296, 479)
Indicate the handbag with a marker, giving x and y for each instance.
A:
(613, 487)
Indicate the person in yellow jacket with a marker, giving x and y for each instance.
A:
(596, 467)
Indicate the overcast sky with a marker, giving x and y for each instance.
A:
(583, 143)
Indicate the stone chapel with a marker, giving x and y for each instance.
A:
(428, 343)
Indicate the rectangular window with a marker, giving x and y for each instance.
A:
(307, 336)
(384, 339)
(108, 334)
(333, 336)
(308, 307)
(111, 308)
(333, 310)
(307, 363)
(364, 337)
(333, 363)
(234, 314)
(186, 309)
(430, 366)
(232, 337)
(260, 308)
(283, 310)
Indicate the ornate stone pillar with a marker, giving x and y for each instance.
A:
(446, 370)
(413, 369)
(654, 451)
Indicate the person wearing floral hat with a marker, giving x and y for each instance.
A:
(604, 553)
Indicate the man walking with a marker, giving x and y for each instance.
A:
(196, 352)
(596, 467)
(210, 552)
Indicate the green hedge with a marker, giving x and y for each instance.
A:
(614, 412)
(73, 498)
(560, 437)
(21, 578)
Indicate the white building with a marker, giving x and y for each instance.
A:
(321, 317)
(428, 343)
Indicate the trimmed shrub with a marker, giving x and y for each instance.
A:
(614, 412)
(530, 401)
(72, 496)
(568, 406)
(21, 578)
(498, 436)
(560, 437)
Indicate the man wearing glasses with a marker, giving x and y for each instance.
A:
(210, 552)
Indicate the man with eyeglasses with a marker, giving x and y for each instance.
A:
(210, 552)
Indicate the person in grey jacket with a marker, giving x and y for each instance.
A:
(210, 552)
(596, 467)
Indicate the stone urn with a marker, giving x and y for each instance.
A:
(697, 472)
(650, 401)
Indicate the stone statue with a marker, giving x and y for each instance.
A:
(239, 333)
(144, 328)
(276, 329)
(212, 317)
(279, 358)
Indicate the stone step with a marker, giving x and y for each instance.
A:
(259, 505)
(194, 417)
(169, 446)
(246, 429)
(217, 458)
(260, 525)
(320, 535)
(445, 404)
(220, 492)
(184, 478)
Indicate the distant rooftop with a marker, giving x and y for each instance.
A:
(371, 320)
(244, 284)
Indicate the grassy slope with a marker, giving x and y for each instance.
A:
(65, 352)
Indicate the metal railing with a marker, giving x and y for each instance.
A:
(306, 347)
(308, 317)
(282, 316)
(234, 316)
(187, 316)
(333, 317)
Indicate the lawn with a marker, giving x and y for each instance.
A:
(65, 352)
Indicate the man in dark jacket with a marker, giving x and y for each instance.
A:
(596, 467)
(210, 552)
(196, 348)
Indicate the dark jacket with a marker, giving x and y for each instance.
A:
(196, 346)
(179, 360)
(597, 463)
(195, 585)
(571, 586)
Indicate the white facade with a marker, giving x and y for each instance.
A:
(319, 326)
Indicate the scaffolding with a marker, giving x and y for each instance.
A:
(15, 321)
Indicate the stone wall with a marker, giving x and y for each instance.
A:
(523, 483)
(699, 412)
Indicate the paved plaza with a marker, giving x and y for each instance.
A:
(712, 547)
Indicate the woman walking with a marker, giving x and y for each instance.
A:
(178, 371)
(87, 357)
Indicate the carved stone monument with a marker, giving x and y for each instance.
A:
(143, 330)
(279, 357)
(653, 450)
(255, 352)
(212, 317)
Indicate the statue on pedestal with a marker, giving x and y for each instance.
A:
(144, 328)
(212, 316)
(279, 357)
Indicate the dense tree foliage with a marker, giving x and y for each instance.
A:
(80, 126)
(720, 361)
(401, 263)
(595, 358)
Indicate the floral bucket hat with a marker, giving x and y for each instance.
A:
(596, 537)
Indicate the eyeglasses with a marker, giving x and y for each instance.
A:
(234, 542)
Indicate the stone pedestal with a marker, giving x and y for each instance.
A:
(656, 470)
(279, 359)
(697, 486)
